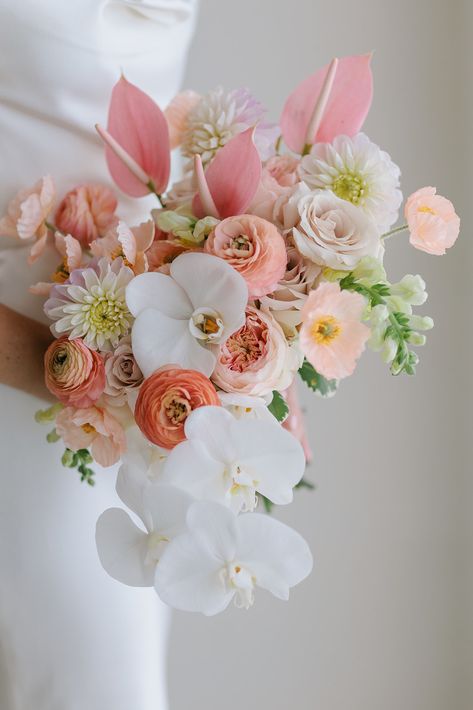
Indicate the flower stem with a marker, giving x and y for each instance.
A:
(402, 228)
(150, 185)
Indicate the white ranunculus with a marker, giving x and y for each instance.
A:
(229, 460)
(357, 170)
(181, 317)
(331, 232)
(223, 557)
(130, 553)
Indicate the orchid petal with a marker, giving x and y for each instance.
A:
(140, 127)
(168, 508)
(190, 467)
(122, 547)
(157, 291)
(233, 176)
(212, 425)
(346, 107)
(215, 528)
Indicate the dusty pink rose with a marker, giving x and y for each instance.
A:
(165, 401)
(94, 428)
(122, 374)
(176, 114)
(27, 214)
(332, 336)
(73, 373)
(128, 243)
(254, 247)
(257, 358)
(432, 221)
(86, 212)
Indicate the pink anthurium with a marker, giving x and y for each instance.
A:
(139, 128)
(231, 180)
(350, 90)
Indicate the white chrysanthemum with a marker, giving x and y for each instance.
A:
(356, 170)
(91, 305)
(219, 116)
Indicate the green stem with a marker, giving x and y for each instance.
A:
(151, 186)
(306, 150)
(402, 228)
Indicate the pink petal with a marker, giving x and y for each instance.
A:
(140, 127)
(38, 248)
(144, 235)
(233, 176)
(346, 108)
(127, 241)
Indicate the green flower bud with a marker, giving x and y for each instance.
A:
(369, 271)
(416, 339)
(421, 323)
(411, 289)
(68, 457)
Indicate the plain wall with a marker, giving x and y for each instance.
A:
(384, 622)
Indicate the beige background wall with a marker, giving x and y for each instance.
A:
(384, 622)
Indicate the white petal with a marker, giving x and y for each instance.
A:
(159, 340)
(211, 425)
(215, 528)
(168, 508)
(190, 468)
(190, 579)
(271, 454)
(210, 281)
(155, 290)
(276, 554)
(122, 547)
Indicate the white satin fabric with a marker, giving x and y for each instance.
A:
(70, 637)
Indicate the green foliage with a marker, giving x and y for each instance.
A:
(278, 407)
(79, 460)
(317, 382)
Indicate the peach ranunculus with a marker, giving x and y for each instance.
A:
(94, 428)
(432, 220)
(332, 336)
(254, 247)
(86, 212)
(166, 399)
(256, 359)
(73, 373)
(129, 243)
(176, 113)
(27, 215)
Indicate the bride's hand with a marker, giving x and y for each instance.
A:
(23, 343)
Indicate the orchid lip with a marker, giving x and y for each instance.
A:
(206, 324)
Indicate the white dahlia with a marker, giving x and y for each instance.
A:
(356, 170)
(91, 305)
(219, 116)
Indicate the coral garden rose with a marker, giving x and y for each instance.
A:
(86, 212)
(332, 336)
(256, 359)
(121, 372)
(254, 247)
(330, 231)
(94, 428)
(432, 221)
(165, 401)
(74, 373)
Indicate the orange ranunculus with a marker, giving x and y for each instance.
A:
(74, 373)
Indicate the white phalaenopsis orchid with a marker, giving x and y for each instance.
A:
(181, 317)
(229, 460)
(129, 553)
(222, 556)
(244, 406)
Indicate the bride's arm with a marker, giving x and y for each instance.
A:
(23, 343)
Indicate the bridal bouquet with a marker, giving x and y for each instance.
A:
(178, 340)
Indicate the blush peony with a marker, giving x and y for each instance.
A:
(165, 401)
(74, 373)
(254, 248)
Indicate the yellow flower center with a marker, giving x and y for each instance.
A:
(118, 253)
(349, 186)
(61, 274)
(425, 208)
(325, 329)
(88, 428)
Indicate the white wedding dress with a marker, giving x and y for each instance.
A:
(71, 638)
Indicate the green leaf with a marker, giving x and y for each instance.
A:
(278, 407)
(304, 483)
(317, 382)
(268, 505)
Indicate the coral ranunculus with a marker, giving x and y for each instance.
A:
(254, 247)
(86, 212)
(433, 223)
(73, 373)
(165, 401)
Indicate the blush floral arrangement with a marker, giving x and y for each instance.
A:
(178, 340)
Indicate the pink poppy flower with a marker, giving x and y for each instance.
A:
(86, 212)
(27, 214)
(72, 258)
(254, 247)
(128, 243)
(94, 428)
(332, 336)
(432, 221)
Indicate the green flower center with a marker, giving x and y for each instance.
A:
(349, 186)
(107, 315)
